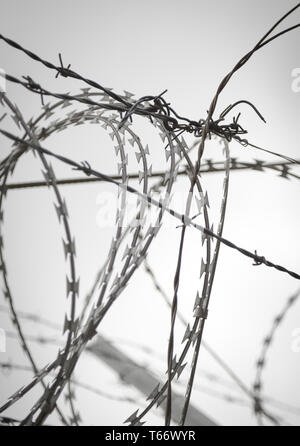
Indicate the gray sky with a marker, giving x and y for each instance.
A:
(146, 47)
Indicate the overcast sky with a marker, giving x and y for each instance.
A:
(146, 47)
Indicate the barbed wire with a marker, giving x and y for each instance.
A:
(8, 297)
(81, 328)
(195, 181)
(54, 364)
(69, 245)
(261, 362)
(183, 218)
(10, 366)
(208, 375)
(208, 166)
